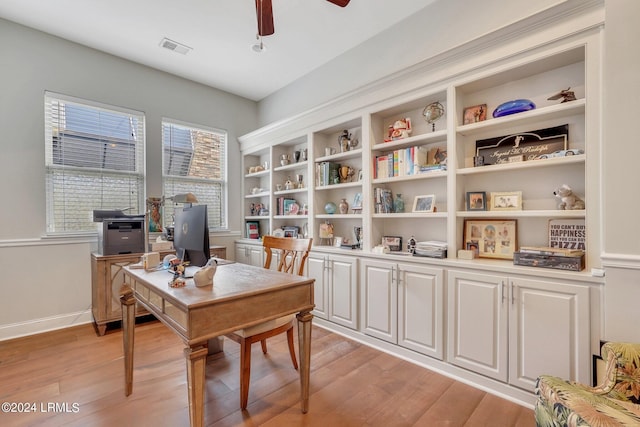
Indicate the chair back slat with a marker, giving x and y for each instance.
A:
(292, 251)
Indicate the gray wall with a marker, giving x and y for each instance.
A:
(621, 153)
(50, 278)
(437, 28)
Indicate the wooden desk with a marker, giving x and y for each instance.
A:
(242, 296)
(107, 278)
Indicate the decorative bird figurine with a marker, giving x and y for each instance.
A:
(566, 95)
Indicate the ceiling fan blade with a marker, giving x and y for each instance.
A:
(341, 3)
(264, 13)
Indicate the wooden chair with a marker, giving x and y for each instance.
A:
(292, 252)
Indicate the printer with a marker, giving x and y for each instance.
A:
(119, 233)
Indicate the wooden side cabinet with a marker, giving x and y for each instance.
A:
(107, 277)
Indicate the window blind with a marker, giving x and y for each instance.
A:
(194, 161)
(94, 160)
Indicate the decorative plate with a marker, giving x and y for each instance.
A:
(278, 232)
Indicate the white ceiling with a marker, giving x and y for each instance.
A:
(308, 33)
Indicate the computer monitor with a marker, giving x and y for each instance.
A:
(191, 235)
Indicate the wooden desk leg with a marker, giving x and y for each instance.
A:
(196, 360)
(304, 344)
(128, 303)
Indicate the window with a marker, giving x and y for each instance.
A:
(94, 160)
(194, 161)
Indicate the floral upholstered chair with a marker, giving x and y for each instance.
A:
(616, 402)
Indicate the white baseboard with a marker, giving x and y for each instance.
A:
(31, 327)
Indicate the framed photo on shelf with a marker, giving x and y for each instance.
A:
(492, 238)
(393, 242)
(253, 229)
(506, 201)
(477, 113)
(476, 201)
(424, 203)
(356, 206)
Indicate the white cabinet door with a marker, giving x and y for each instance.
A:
(250, 254)
(548, 332)
(242, 255)
(477, 323)
(420, 309)
(343, 290)
(256, 256)
(379, 300)
(317, 269)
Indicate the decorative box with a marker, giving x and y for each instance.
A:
(570, 263)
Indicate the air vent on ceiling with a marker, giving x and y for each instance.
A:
(175, 46)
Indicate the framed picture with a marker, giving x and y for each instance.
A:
(492, 238)
(291, 232)
(477, 113)
(393, 242)
(253, 230)
(356, 206)
(424, 203)
(476, 201)
(506, 201)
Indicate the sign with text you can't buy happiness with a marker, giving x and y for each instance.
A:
(567, 234)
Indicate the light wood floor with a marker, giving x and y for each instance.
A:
(351, 385)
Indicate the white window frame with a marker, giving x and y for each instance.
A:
(173, 184)
(66, 213)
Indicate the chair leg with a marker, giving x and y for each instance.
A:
(263, 344)
(292, 350)
(245, 373)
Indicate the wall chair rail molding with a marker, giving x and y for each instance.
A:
(626, 261)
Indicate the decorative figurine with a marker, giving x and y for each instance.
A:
(177, 266)
(568, 200)
(204, 276)
(399, 130)
(345, 173)
(411, 245)
(566, 95)
(344, 141)
(343, 206)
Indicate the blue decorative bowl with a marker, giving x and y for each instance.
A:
(512, 107)
(330, 208)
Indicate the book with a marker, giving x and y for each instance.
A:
(381, 167)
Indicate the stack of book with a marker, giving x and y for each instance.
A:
(383, 200)
(548, 257)
(327, 173)
(431, 249)
(409, 161)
